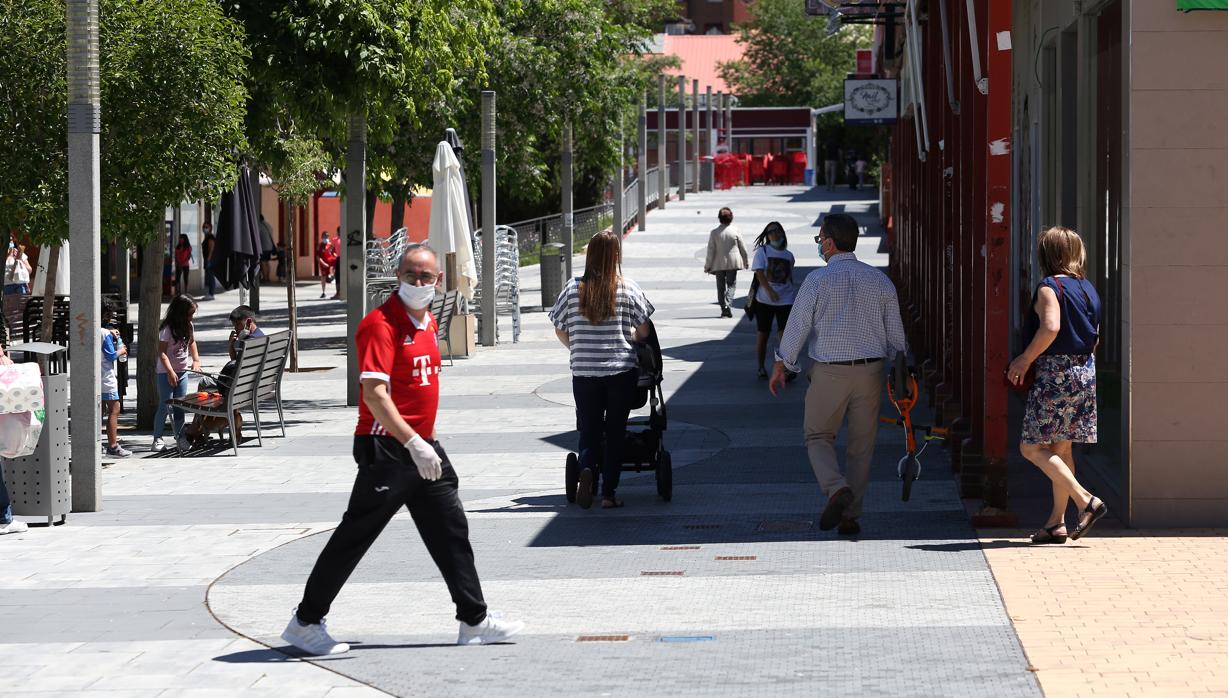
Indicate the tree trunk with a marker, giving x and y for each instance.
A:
(53, 271)
(291, 301)
(398, 213)
(253, 299)
(149, 315)
(372, 201)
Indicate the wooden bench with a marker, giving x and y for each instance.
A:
(443, 309)
(242, 394)
(271, 372)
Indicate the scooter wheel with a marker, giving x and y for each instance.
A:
(910, 470)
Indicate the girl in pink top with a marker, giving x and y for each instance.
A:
(177, 354)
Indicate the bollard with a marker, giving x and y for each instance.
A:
(553, 273)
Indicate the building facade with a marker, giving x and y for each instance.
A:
(1104, 116)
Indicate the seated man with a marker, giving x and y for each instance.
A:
(243, 318)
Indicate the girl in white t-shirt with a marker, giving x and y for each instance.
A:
(773, 268)
(177, 354)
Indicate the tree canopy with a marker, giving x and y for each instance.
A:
(172, 111)
(790, 59)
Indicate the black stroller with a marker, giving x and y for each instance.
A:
(644, 446)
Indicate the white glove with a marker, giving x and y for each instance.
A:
(430, 466)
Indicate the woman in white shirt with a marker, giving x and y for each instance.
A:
(773, 268)
(17, 271)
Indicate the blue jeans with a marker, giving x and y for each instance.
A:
(166, 392)
(6, 508)
(16, 289)
(602, 405)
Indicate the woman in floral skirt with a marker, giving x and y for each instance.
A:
(1061, 336)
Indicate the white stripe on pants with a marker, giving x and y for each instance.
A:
(835, 391)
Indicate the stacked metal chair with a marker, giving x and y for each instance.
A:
(383, 258)
(507, 279)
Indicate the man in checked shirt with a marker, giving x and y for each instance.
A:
(849, 315)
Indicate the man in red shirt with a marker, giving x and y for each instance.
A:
(399, 464)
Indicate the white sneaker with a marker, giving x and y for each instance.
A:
(116, 451)
(490, 631)
(158, 445)
(13, 527)
(312, 639)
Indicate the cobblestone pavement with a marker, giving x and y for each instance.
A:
(730, 589)
(1120, 613)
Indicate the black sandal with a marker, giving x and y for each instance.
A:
(1049, 535)
(1094, 514)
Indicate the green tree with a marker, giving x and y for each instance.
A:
(172, 113)
(300, 162)
(791, 60)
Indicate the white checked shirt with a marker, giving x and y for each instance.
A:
(847, 310)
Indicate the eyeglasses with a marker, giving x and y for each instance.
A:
(820, 238)
(426, 278)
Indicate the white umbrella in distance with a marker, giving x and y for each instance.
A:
(449, 227)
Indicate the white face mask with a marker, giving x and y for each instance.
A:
(416, 297)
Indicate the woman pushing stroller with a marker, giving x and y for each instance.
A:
(597, 317)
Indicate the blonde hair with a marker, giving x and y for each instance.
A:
(1061, 252)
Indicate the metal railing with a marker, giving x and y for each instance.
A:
(535, 232)
(631, 203)
(650, 179)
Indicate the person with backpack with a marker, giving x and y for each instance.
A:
(775, 290)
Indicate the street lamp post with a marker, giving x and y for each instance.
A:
(85, 228)
(354, 247)
(682, 162)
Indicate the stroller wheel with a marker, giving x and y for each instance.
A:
(665, 476)
(571, 477)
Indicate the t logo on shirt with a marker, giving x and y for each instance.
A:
(422, 369)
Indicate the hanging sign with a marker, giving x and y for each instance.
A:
(871, 101)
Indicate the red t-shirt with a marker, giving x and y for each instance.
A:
(325, 254)
(392, 348)
(183, 256)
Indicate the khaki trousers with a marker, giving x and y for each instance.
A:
(834, 392)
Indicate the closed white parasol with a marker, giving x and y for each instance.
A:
(449, 226)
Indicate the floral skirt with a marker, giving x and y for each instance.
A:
(1062, 401)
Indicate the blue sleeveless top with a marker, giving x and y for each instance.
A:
(1080, 308)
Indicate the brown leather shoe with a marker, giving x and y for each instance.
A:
(834, 511)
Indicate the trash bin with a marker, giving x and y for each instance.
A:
(707, 174)
(39, 483)
(553, 271)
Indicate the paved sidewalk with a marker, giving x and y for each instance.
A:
(728, 590)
